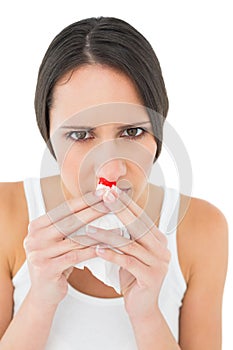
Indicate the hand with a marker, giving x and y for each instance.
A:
(145, 261)
(51, 255)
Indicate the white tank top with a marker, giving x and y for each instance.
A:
(85, 322)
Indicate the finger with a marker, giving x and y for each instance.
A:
(64, 246)
(72, 206)
(139, 270)
(70, 259)
(83, 241)
(136, 227)
(72, 223)
(127, 246)
(63, 210)
(135, 218)
(112, 237)
(126, 280)
(141, 213)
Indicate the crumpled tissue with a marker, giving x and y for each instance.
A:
(105, 271)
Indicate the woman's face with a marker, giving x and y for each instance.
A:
(99, 128)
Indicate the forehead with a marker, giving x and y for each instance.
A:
(88, 88)
(108, 113)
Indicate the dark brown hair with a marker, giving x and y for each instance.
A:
(109, 41)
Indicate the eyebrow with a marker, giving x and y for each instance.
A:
(93, 128)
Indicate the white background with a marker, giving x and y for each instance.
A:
(193, 41)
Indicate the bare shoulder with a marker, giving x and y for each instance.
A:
(202, 235)
(202, 239)
(13, 225)
(202, 216)
(13, 222)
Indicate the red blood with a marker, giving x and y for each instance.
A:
(105, 182)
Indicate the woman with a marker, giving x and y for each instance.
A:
(100, 105)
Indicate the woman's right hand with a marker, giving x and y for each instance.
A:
(51, 255)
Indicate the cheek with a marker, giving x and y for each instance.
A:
(72, 172)
(151, 145)
(138, 179)
(142, 167)
(145, 154)
(78, 163)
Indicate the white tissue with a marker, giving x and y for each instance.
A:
(104, 270)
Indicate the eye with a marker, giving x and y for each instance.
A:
(80, 135)
(133, 132)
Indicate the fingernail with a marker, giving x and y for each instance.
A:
(116, 190)
(109, 197)
(99, 192)
(91, 229)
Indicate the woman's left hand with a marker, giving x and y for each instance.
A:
(145, 261)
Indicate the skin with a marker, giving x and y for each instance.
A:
(70, 99)
(202, 226)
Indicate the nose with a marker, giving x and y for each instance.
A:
(112, 170)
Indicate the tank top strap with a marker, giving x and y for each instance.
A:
(34, 197)
(170, 210)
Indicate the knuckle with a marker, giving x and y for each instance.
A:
(165, 267)
(33, 225)
(26, 244)
(31, 243)
(34, 258)
(64, 290)
(167, 256)
(163, 239)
